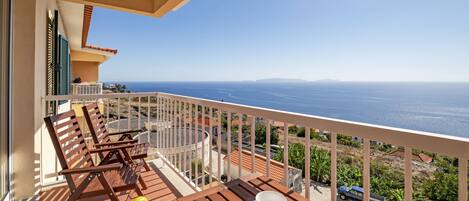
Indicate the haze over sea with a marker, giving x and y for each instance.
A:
(433, 107)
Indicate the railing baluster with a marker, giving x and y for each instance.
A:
(267, 147)
(210, 134)
(148, 122)
(228, 145)
(307, 162)
(184, 134)
(333, 166)
(462, 179)
(174, 133)
(219, 144)
(253, 144)
(180, 134)
(408, 173)
(240, 143)
(107, 110)
(191, 133)
(139, 117)
(196, 111)
(118, 114)
(285, 153)
(165, 124)
(129, 115)
(159, 120)
(203, 143)
(366, 169)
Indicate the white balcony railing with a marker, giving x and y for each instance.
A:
(87, 88)
(176, 123)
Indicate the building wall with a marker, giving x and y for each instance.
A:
(28, 88)
(87, 71)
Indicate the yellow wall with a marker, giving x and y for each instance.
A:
(87, 71)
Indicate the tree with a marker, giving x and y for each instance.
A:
(443, 185)
(319, 158)
(261, 134)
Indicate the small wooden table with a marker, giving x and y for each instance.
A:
(244, 189)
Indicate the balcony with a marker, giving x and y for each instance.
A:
(86, 89)
(195, 147)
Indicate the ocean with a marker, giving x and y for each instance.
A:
(433, 107)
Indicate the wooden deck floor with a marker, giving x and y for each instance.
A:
(159, 189)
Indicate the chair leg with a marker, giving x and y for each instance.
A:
(74, 196)
(144, 186)
(109, 191)
(145, 165)
(138, 190)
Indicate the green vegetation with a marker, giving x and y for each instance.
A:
(385, 180)
(443, 185)
(347, 140)
(261, 134)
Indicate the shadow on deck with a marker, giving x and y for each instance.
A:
(159, 188)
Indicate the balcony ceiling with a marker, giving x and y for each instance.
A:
(154, 8)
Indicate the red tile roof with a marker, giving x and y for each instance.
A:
(276, 168)
(87, 14)
(114, 51)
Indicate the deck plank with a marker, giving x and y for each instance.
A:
(216, 197)
(159, 189)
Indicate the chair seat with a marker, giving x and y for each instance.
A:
(125, 176)
(139, 151)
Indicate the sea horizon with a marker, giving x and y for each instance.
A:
(436, 107)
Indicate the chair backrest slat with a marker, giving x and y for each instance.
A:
(69, 142)
(96, 124)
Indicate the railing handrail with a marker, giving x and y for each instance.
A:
(433, 142)
(87, 83)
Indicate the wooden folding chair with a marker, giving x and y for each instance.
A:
(84, 178)
(102, 138)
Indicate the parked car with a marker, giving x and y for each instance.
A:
(356, 193)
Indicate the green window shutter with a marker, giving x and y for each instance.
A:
(63, 67)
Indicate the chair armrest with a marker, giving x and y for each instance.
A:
(100, 168)
(115, 143)
(126, 132)
(113, 148)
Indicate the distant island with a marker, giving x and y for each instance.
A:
(281, 80)
(292, 80)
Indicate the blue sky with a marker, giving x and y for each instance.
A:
(235, 40)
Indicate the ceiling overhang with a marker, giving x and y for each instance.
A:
(154, 8)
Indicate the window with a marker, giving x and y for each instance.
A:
(4, 97)
(58, 63)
